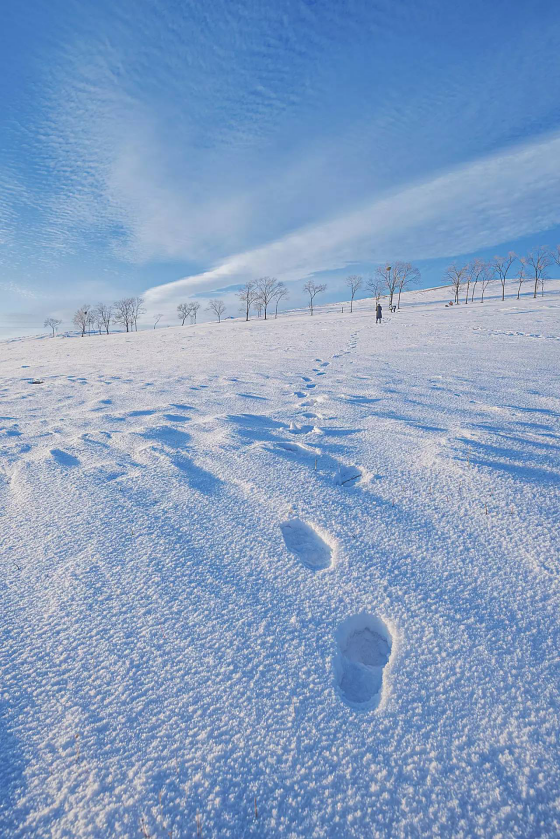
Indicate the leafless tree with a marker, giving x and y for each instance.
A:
(406, 275)
(456, 275)
(555, 254)
(124, 312)
(387, 276)
(247, 296)
(354, 283)
(258, 306)
(500, 266)
(81, 319)
(137, 310)
(183, 311)
(53, 323)
(218, 307)
(98, 321)
(522, 275)
(485, 279)
(92, 320)
(105, 315)
(538, 261)
(313, 289)
(266, 291)
(281, 293)
(375, 286)
(475, 269)
(157, 319)
(194, 307)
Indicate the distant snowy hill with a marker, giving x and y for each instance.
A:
(294, 578)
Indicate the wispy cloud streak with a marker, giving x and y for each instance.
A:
(473, 206)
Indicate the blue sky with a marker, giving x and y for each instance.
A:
(173, 148)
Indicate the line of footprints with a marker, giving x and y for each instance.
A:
(364, 642)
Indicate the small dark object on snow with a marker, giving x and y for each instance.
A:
(37, 382)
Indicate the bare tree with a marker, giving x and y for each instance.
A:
(555, 255)
(406, 275)
(485, 279)
(281, 293)
(124, 312)
(193, 309)
(375, 286)
(522, 275)
(81, 319)
(105, 315)
(387, 276)
(183, 311)
(475, 269)
(157, 319)
(313, 290)
(247, 296)
(354, 283)
(218, 307)
(92, 320)
(500, 266)
(538, 261)
(53, 323)
(258, 306)
(456, 275)
(137, 310)
(266, 291)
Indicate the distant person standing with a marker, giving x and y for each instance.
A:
(378, 313)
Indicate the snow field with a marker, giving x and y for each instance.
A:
(311, 561)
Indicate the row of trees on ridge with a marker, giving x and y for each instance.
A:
(265, 294)
(500, 269)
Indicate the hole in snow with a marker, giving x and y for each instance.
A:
(303, 541)
(364, 648)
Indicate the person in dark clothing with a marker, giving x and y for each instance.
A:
(378, 313)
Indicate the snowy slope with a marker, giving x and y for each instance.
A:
(310, 563)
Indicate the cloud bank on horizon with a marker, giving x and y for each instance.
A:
(184, 148)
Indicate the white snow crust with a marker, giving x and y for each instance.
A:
(310, 564)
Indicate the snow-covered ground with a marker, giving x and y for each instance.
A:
(310, 564)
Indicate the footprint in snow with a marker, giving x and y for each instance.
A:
(347, 476)
(295, 428)
(64, 458)
(364, 648)
(306, 544)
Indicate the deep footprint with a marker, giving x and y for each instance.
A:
(304, 542)
(347, 476)
(364, 648)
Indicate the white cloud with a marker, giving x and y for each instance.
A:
(492, 200)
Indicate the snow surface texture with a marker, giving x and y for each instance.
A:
(311, 563)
